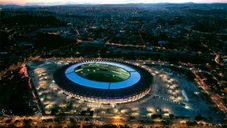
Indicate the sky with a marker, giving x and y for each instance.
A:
(24, 2)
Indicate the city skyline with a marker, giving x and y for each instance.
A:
(119, 63)
(57, 2)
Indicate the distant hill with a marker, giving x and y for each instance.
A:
(116, 5)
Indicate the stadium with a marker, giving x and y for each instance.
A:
(103, 81)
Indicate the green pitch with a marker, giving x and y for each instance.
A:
(102, 72)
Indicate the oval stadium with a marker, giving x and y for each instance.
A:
(103, 81)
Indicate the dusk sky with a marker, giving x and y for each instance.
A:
(23, 2)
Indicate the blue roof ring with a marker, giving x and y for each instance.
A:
(76, 78)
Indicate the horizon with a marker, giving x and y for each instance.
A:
(68, 2)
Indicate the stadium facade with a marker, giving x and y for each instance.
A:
(103, 81)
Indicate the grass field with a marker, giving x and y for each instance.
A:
(102, 72)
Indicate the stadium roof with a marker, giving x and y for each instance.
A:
(65, 83)
(74, 77)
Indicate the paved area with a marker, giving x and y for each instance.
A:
(172, 94)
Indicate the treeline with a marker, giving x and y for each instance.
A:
(32, 20)
(206, 24)
(49, 42)
(15, 95)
